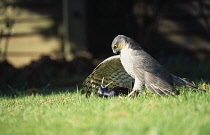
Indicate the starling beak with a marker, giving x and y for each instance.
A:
(104, 92)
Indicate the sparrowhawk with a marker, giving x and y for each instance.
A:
(112, 70)
(143, 68)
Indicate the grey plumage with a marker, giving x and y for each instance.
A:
(145, 70)
(112, 70)
(183, 81)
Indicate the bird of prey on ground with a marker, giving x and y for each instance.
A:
(112, 70)
(143, 68)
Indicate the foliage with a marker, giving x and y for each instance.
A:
(71, 113)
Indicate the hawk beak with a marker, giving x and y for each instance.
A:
(115, 52)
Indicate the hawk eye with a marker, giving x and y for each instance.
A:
(115, 46)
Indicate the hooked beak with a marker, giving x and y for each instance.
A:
(115, 51)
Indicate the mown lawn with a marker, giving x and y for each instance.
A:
(72, 114)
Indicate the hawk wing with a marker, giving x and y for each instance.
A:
(110, 69)
(157, 79)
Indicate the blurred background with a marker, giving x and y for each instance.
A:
(49, 44)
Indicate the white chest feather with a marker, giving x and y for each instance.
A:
(127, 61)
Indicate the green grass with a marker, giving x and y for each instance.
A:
(73, 114)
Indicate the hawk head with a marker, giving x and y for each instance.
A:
(119, 43)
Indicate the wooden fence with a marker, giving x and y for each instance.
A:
(35, 32)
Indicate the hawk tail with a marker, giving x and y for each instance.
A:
(183, 81)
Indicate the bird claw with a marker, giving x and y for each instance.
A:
(133, 93)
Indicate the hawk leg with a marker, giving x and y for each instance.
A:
(137, 88)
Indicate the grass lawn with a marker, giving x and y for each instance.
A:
(72, 114)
